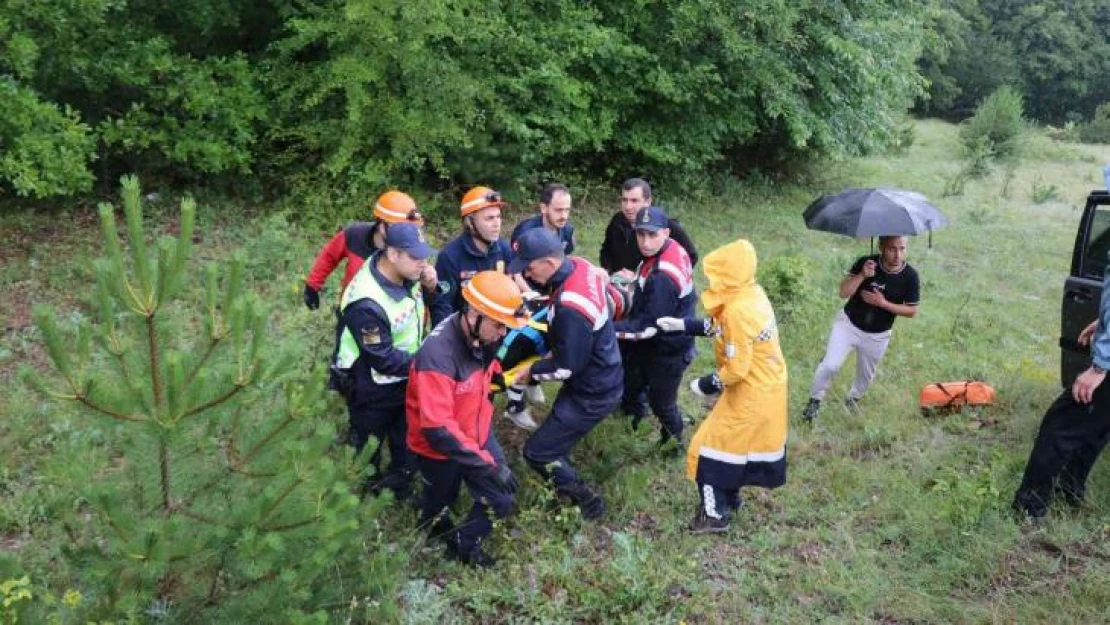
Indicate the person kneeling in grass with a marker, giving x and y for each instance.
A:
(743, 440)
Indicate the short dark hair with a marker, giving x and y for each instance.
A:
(637, 183)
(890, 237)
(550, 189)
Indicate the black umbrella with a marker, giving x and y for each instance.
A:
(874, 213)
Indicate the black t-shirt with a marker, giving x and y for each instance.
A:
(898, 288)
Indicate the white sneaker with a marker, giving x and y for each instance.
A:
(522, 419)
(534, 394)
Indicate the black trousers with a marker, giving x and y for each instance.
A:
(635, 405)
(442, 482)
(1071, 437)
(386, 423)
(571, 418)
(661, 377)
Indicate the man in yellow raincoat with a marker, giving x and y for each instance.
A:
(743, 440)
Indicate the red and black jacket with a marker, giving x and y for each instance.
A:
(664, 288)
(354, 243)
(447, 402)
(584, 350)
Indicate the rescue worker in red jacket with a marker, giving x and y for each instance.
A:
(358, 241)
(449, 415)
(354, 244)
(584, 356)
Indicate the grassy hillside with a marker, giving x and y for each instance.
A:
(887, 516)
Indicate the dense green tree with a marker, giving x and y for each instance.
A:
(350, 95)
(1056, 51)
(498, 90)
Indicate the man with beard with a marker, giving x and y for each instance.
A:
(879, 289)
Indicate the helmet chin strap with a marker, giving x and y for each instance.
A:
(475, 331)
(474, 232)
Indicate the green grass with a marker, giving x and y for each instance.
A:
(886, 517)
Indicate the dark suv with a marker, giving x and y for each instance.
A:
(1083, 289)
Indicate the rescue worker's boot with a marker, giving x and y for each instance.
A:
(702, 523)
(469, 552)
(477, 558)
(398, 482)
(670, 446)
(715, 511)
(812, 409)
(590, 503)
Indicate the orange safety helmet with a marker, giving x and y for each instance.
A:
(396, 207)
(496, 296)
(478, 198)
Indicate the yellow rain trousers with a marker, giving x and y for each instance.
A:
(743, 440)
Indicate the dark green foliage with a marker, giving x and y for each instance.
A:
(1098, 129)
(220, 498)
(360, 94)
(996, 128)
(165, 86)
(788, 282)
(44, 149)
(1056, 52)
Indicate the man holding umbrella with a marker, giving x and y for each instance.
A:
(879, 288)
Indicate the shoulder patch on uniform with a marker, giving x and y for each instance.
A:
(371, 335)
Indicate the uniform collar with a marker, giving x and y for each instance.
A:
(561, 274)
(472, 248)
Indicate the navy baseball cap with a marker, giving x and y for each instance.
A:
(652, 219)
(409, 238)
(533, 244)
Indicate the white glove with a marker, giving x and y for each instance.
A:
(648, 333)
(671, 324)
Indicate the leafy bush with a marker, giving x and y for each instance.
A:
(196, 115)
(788, 284)
(1098, 129)
(44, 150)
(1042, 192)
(996, 128)
(359, 94)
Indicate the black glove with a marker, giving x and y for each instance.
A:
(505, 480)
(707, 385)
(311, 297)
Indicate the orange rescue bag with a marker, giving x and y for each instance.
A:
(956, 395)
